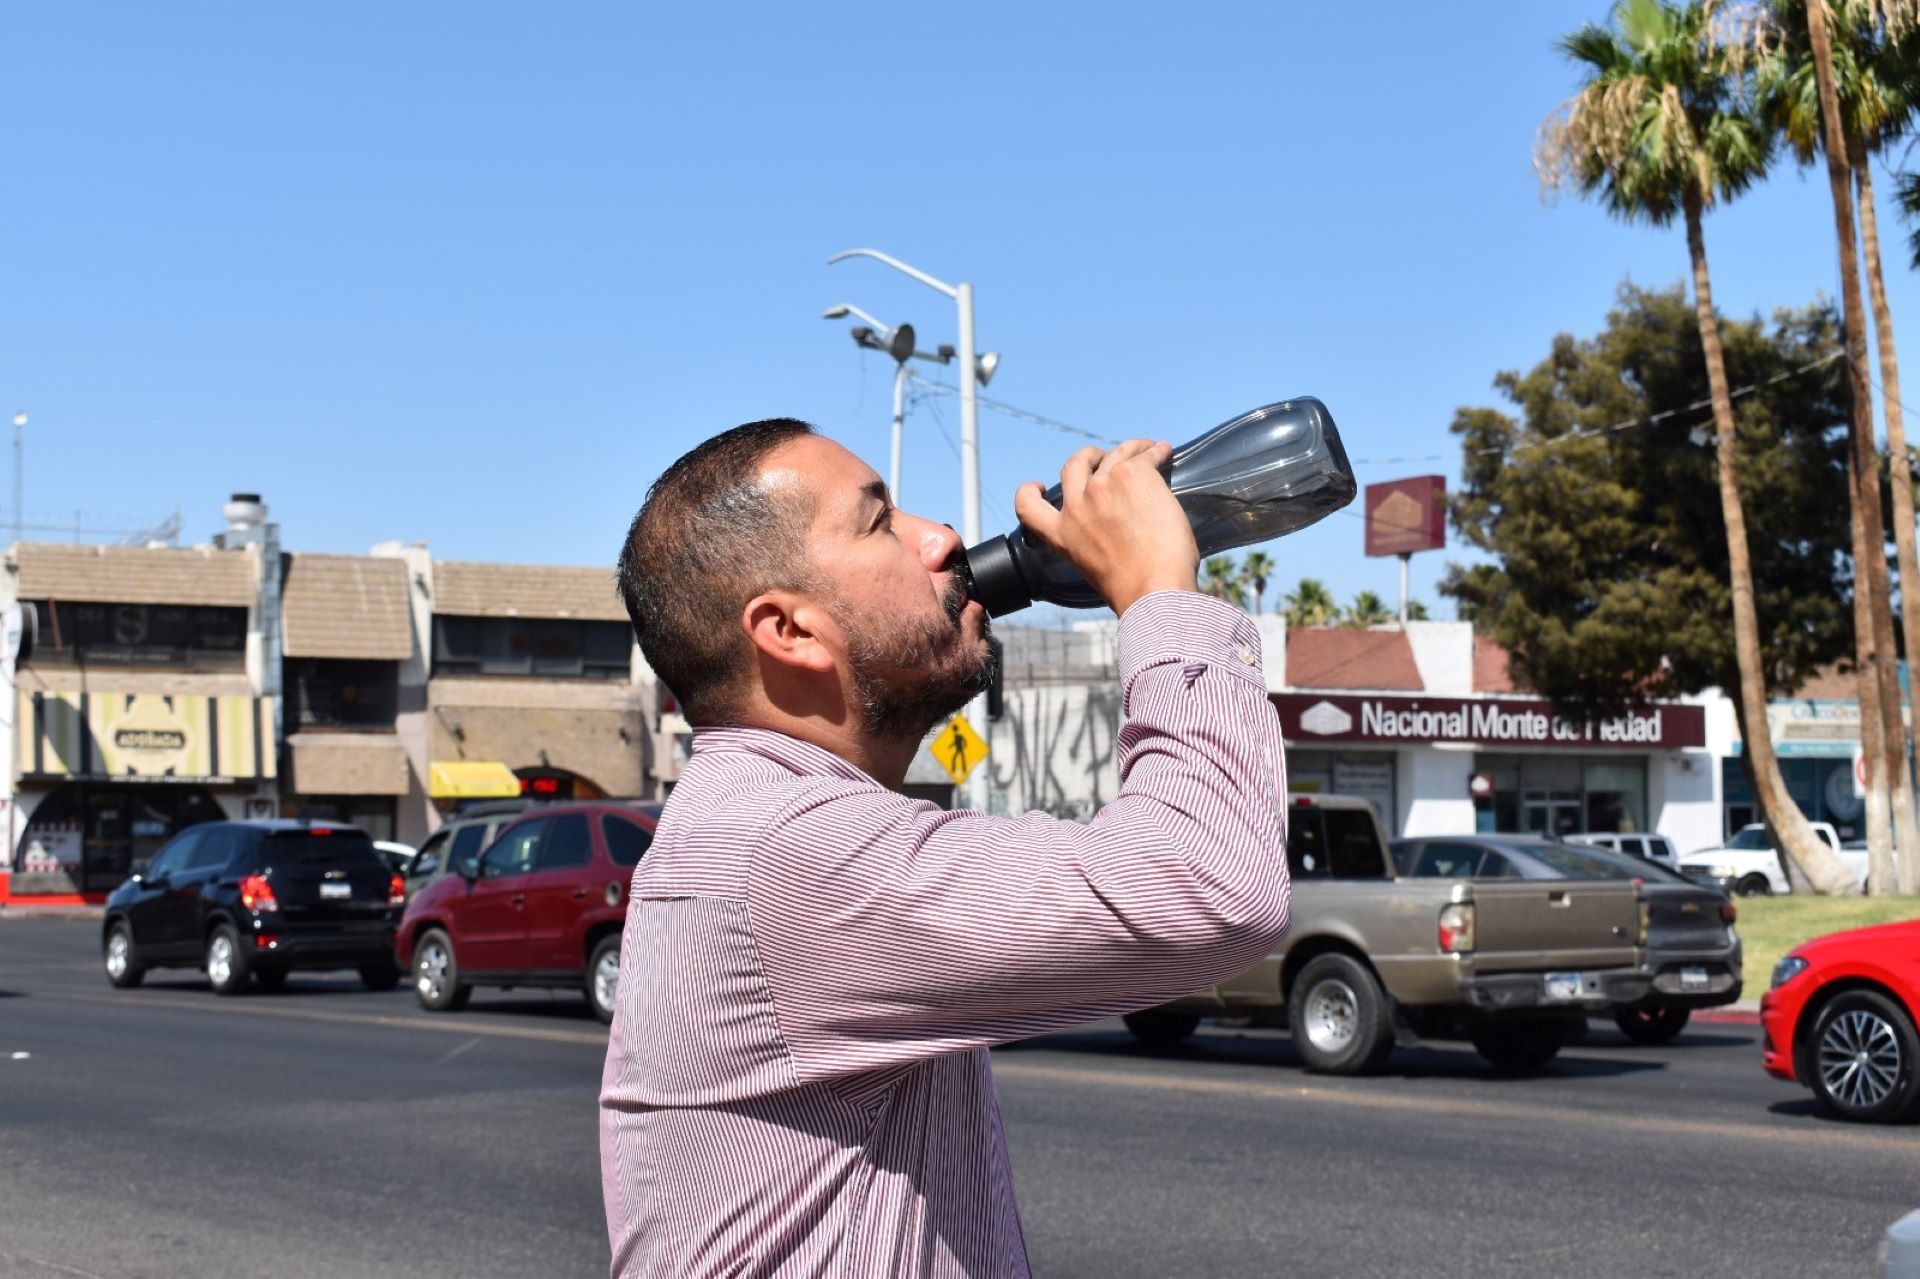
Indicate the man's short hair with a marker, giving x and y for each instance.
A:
(709, 538)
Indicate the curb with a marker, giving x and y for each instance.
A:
(10, 910)
(1731, 1016)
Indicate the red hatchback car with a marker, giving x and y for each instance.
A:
(541, 906)
(1841, 1020)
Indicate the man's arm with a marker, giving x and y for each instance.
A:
(889, 933)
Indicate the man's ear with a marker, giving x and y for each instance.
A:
(788, 628)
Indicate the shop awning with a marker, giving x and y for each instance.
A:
(471, 779)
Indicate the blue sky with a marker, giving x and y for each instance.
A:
(475, 273)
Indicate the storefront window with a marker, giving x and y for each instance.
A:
(87, 837)
(373, 814)
(1821, 786)
(1366, 774)
(177, 635)
(1562, 794)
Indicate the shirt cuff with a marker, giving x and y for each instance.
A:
(1188, 628)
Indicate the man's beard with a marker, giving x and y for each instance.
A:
(910, 675)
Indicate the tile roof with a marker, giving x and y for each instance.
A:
(135, 574)
(348, 606)
(1491, 672)
(525, 590)
(1341, 657)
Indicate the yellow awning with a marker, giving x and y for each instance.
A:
(471, 779)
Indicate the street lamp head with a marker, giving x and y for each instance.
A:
(19, 419)
(835, 312)
(944, 353)
(986, 365)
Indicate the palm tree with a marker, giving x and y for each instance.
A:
(1258, 567)
(1311, 604)
(1866, 77)
(1366, 610)
(1220, 577)
(1656, 131)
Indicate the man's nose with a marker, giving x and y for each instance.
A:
(939, 544)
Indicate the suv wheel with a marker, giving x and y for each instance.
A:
(227, 966)
(1651, 1025)
(1158, 1029)
(1339, 1017)
(121, 970)
(1519, 1045)
(436, 975)
(1754, 885)
(1865, 1058)
(603, 977)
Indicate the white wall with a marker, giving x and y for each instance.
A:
(1443, 652)
(1433, 794)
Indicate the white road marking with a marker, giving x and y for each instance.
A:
(21, 1056)
(471, 1043)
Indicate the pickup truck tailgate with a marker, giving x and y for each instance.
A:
(1530, 925)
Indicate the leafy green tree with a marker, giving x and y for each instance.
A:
(1367, 609)
(1609, 579)
(1311, 604)
(1258, 567)
(1658, 131)
(1221, 578)
(1416, 611)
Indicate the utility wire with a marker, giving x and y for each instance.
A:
(1580, 433)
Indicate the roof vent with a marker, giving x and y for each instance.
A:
(244, 511)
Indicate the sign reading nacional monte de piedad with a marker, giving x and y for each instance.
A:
(1510, 722)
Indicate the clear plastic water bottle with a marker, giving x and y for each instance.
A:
(1264, 474)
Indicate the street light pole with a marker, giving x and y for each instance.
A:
(899, 415)
(969, 406)
(976, 791)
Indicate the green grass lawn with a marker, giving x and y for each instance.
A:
(1772, 926)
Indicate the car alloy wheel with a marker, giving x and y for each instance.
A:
(220, 960)
(606, 979)
(1859, 1059)
(118, 950)
(432, 969)
(1332, 1015)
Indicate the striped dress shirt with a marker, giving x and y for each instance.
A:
(797, 1082)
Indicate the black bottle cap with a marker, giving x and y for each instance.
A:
(997, 581)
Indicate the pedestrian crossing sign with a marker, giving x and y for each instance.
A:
(957, 748)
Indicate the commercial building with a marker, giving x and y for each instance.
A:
(231, 680)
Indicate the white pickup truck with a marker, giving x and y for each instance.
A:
(1749, 865)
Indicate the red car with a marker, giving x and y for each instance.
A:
(541, 906)
(1841, 1020)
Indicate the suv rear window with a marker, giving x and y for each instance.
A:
(304, 848)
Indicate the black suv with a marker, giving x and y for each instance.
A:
(257, 899)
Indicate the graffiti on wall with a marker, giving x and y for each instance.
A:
(1053, 749)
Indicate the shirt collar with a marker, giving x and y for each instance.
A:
(803, 759)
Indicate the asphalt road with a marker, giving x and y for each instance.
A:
(330, 1132)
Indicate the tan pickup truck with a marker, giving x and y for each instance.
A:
(1371, 960)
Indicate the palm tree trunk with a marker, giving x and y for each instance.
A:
(1906, 840)
(1821, 865)
(1873, 617)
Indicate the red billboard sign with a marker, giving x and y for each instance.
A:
(1404, 516)
(1306, 718)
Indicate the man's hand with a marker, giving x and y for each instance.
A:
(1118, 522)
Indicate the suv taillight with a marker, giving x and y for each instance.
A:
(1456, 927)
(397, 891)
(257, 894)
(1728, 913)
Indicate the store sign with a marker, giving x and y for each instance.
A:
(1404, 516)
(180, 737)
(1306, 717)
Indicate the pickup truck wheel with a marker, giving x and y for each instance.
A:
(1651, 1025)
(1754, 885)
(1518, 1045)
(1865, 1057)
(1156, 1029)
(1339, 1017)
